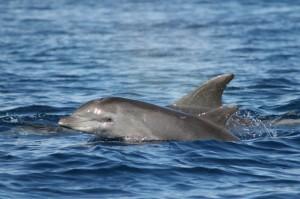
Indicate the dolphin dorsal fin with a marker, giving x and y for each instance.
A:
(208, 95)
(220, 115)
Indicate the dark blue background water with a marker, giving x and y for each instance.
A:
(56, 55)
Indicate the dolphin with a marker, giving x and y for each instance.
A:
(132, 120)
(197, 116)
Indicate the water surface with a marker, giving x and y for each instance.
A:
(56, 55)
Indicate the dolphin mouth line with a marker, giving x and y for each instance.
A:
(105, 119)
(68, 125)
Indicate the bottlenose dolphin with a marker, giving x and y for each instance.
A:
(116, 117)
(197, 116)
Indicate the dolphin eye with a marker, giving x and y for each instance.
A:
(106, 119)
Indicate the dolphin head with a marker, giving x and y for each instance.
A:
(113, 118)
(96, 116)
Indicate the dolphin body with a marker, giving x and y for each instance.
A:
(196, 116)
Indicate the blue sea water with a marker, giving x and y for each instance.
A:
(56, 55)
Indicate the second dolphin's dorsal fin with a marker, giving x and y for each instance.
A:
(220, 115)
(208, 95)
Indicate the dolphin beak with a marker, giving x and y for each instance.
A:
(64, 121)
(76, 123)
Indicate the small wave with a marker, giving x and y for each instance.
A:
(292, 105)
(31, 109)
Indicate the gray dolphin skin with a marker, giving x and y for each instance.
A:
(191, 118)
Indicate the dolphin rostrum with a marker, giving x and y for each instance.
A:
(132, 120)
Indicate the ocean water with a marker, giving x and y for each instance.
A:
(56, 55)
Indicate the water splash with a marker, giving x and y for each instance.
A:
(247, 125)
